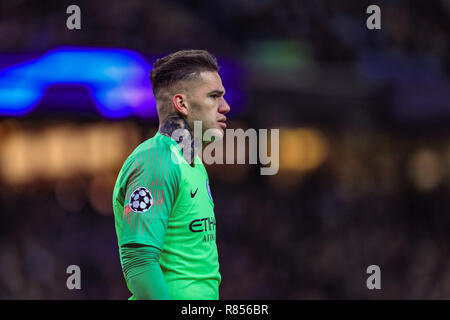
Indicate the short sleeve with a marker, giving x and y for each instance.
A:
(151, 189)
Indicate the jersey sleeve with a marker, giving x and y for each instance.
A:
(143, 273)
(150, 192)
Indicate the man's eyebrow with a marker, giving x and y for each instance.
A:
(219, 92)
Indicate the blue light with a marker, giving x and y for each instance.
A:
(117, 78)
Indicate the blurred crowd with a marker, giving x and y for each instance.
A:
(414, 32)
(375, 200)
(380, 198)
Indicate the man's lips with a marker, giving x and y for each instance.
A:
(222, 123)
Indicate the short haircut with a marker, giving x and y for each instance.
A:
(179, 66)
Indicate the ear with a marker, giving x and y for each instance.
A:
(180, 103)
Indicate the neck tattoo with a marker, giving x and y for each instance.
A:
(183, 135)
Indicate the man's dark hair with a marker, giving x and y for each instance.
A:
(181, 65)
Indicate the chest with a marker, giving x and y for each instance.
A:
(194, 199)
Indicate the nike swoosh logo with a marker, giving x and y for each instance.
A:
(193, 194)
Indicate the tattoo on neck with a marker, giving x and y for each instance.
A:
(172, 123)
(176, 128)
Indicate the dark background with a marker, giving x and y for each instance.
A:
(364, 120)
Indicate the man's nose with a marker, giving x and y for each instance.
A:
(224, 107)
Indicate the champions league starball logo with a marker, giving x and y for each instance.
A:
(141, 200)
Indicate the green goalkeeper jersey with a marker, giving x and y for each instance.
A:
(160, 200)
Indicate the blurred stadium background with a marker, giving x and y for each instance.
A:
(364, 142)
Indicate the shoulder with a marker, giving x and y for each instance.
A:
(158, 156)
(153, 149)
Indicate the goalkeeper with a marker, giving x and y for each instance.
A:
(163, 208)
